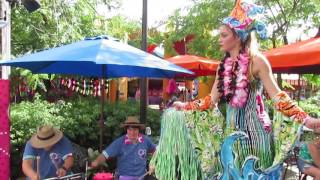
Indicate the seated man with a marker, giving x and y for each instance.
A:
(50, 151)
(130, 150)
(309, 158)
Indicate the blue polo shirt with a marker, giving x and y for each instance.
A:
(131, 158)
(61, 150)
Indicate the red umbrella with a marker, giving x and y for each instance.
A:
(302, 57)
(201, 66)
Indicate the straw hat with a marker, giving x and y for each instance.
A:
(132, 121)
(46, 136)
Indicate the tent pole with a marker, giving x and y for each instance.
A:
(103, 94)
(143, 81)
(299, 90)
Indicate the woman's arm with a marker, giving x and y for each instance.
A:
(215, 94)
(262, 69)
(210, 100)
(282, 102)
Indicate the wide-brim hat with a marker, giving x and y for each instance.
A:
(132, 121)
(46, 136)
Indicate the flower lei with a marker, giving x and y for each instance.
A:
(128, 141)
(233, 80)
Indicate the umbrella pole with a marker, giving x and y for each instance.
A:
(101, 121)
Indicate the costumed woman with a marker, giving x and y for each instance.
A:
(240, 79)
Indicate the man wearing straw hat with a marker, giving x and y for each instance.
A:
(130, 150)
(47, 154)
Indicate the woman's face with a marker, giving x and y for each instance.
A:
(228, 40)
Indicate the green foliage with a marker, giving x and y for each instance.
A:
(284, 15)
(312, 106)
(60, 22)
(78, 119)
(204, 17)
(313, 79)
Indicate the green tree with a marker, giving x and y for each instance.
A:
(202, 18)
(61, 22)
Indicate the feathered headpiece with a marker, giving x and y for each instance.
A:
(246, 17)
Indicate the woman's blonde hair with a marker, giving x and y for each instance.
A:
(252, 46)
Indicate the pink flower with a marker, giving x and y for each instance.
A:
(240, 96)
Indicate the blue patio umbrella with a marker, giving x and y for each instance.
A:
(102, 57)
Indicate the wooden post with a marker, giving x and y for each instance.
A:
(143, 81)
(5, 40)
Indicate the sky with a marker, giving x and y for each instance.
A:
(158, 10)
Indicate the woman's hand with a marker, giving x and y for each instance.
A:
(178, 105)
(313, 123)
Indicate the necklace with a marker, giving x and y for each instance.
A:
(234, 86)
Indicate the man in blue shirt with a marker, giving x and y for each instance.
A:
(131, 151)
(47, 154)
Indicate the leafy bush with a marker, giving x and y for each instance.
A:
(312, 105)
(78, 119)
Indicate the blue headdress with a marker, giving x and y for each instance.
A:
(246, 17)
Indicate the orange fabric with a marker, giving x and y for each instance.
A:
(298, 55)
(288, 107)
(201, 66)
(238, 12)
(200, 104)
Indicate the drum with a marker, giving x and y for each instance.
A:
(103, 176)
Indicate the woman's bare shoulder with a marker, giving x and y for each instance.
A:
(260, 63)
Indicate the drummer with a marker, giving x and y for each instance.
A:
(47, 154)
(131, 151)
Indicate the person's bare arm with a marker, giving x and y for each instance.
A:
(262, 69)
(99, 160)
(314, 152)
(68, 163)
(282, 101)
(28, 170)
(215, 94)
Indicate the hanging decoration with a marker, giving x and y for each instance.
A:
(86, 87)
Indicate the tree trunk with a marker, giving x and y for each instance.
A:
(318, 34)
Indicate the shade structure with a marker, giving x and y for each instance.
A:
(102, 57)
(89, 56)
(301, 58)
(201, 66)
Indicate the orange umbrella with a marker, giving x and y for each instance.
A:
(201, 66)
(302, 57)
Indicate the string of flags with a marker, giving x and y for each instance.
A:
(84, 86)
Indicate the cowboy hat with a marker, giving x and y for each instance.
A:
(46, 136)
(132, 121)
